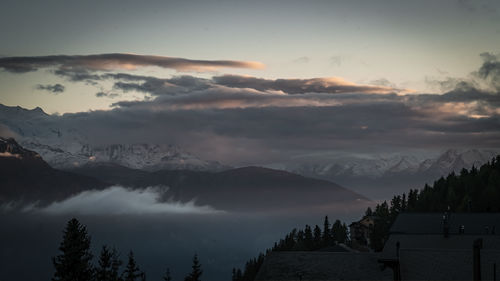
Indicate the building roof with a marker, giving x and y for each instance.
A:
(307, 266)
(432, 223)
(437, 264)
(437, 241)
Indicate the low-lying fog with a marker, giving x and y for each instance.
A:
(162, 235)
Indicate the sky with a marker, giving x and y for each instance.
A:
(254, 79)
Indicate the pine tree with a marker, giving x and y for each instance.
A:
(239, 274)
(368, 212)
(75, 261)
(308, 238)
(233, 275)
(317, 237)
(339, 232)
(132, 271)
(196, 270)
(109, 265)
(167, 276)
(326, 233)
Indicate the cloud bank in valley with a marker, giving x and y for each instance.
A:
(118, 200)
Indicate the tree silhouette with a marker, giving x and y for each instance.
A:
(167, 276)
(339, 232)
(317, 237)
(108, 265)
(75, 261)
(132, 271)
(196, 270)
(326, 233)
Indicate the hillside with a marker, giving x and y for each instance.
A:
(27, 177)
(242, 189)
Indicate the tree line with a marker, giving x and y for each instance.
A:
(75, 262)
(307, 239)
(473, 190)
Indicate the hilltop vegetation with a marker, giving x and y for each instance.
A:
(474, 190)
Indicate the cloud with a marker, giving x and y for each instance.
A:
(336, 60)
(56, 88)
(103, 94)
(242, 119)
(489, 71)
(383, 82)
(117, 200)
(330, 85)
(220, 97)
(486, 78)
(117, 61)
(302, 60)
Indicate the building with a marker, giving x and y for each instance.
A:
(360, 232)
(449, 246)
(421, 246)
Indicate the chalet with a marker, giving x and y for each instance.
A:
(360, 232)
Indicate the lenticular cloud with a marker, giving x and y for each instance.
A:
(117, 200)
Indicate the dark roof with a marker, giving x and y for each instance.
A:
(432, 264)
(322, 266)
(437, 241)
(432, 223)
(336, 248)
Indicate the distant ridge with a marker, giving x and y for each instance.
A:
(241, 189)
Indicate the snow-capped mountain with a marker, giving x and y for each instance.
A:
(382, 176)
(382, 166)
(64, 146)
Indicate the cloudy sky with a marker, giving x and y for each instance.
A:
(258, 80)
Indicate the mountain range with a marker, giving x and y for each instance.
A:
(385, 175)
(64, 146)
(26, 177)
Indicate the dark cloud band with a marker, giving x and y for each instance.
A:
(118, 61)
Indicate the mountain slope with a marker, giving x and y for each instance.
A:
(243, 189)
(25, 176)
